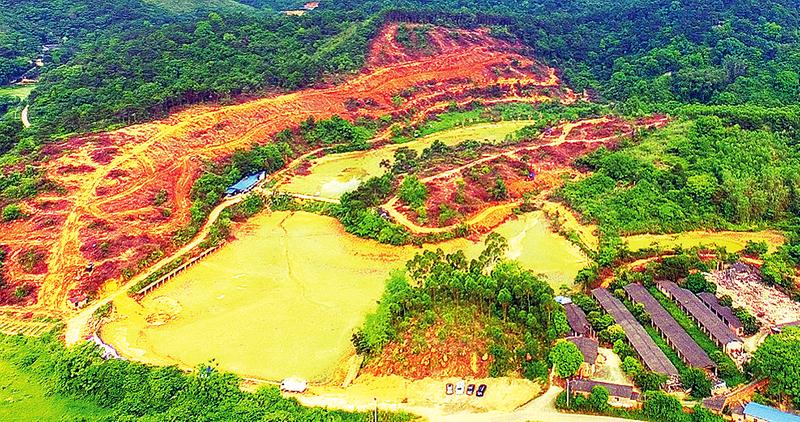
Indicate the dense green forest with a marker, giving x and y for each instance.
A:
(693, 174)
(132, 391)
(124, 60)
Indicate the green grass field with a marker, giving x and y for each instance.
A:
(24, 399)
(19, 91)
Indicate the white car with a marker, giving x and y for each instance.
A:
(460, 387)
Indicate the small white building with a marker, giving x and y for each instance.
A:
(294, 385)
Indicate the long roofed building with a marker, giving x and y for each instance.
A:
(677, 338)
(723, 312)
(707, 320)
(652, 357)
(577, 320)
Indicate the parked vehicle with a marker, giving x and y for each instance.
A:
(470, 389)
(294, 385)
(481, 390)
(449, 389)
(460, 387)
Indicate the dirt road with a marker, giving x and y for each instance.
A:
(566, 129)
(541, 408)
(24, 117)
(76, 325)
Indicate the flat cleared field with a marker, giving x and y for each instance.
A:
(732, 241)
(284, 298)
(23, 399)
(333, 175)
(532, 243)
(20, 91)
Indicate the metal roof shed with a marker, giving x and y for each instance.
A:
(652, 357)
(677, 338)
(759, 412)
(246, 184)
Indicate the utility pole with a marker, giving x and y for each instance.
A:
(567, 393)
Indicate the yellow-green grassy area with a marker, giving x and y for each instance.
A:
(730, 240)
(20, 91)
(333, 175)
(285, 297)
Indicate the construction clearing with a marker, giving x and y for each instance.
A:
(332, 175)
(105, 212)
(532, 167)
(742, 282)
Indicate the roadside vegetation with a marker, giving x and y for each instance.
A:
(657, 406)
(772, 359)
(80, 384)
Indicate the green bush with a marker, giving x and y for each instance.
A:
(12, 212)
(133, 391)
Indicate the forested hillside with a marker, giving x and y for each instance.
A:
(131, 61)
(27, 25)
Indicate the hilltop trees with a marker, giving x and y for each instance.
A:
(156, 61)
(494, 287)
(412, 191)
(709, 175)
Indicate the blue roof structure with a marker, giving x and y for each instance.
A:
(245, 184)
(771, 414)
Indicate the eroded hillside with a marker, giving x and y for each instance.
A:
(105, 212)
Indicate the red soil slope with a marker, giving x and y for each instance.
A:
(106, 212)
(534, 167)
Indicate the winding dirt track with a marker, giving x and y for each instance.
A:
(24, 117)
(394, 208)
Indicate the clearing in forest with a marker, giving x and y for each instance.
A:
(105, 211)
(732, 241)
